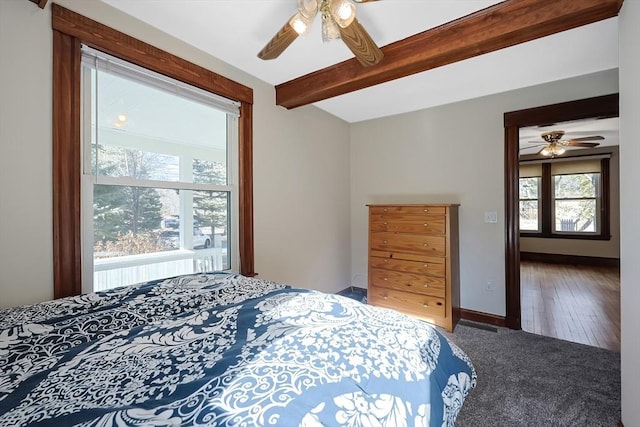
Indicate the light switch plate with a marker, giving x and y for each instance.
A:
(491, 217)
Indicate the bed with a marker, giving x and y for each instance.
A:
(225, 350)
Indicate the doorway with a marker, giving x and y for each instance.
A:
(598, 107)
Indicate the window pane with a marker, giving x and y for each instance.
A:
(137, 220)
(143, 132)
(529, 215)
(578, 216)
(209, 172)
(120, 161)
(211, 214)
(529, 188)
(138, 233)
(576, 186)
(127, 220)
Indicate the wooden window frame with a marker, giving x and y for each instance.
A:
(70, 31)
(546, 208)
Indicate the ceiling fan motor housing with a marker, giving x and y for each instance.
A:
(553, 136)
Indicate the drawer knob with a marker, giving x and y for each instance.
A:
(426, 225)
(385, 242)
(426, 265)
(425, 305)
(385, 209)
(385, 279)
(385, 223)
(384, 297)
(426, 285)
(426, 210)
(426, 244)
(385, 261)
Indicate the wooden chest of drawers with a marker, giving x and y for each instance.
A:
(413, 260)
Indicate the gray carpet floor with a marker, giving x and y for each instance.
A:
(530, 380)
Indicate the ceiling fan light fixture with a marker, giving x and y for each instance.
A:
(553, 150)
(558, 150)
(343, 12)
(300, 24)
(330, 30)
(338, 22)
(308, 8)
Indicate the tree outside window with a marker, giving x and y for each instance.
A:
(576, 201)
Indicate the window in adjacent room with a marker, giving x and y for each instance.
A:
(565, 197)
(159, 175)
(530, 198)
(576, 197)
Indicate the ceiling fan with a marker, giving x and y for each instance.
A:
(555, 145)
(338, 21)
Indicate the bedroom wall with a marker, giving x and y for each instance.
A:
(454, 154)
(629, 208)
(301, 164)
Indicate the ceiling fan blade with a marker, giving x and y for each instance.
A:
(533, 146)
(588, 138)
(574, 143)
(283, 38)
(361, 44)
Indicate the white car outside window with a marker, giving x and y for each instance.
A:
(170, 239)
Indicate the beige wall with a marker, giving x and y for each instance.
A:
(590, 248)
(629, 208)
(301, 164)
(26, 262)
(452, 153)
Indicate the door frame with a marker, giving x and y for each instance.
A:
(601, 107)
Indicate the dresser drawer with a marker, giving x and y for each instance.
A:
(429, 224)
(406, 256)
(419, 305)
(410, 210)
(433, 267)
(414, 243)
(409, 282)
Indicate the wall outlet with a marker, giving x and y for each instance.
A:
(491, 217)
(489, 287)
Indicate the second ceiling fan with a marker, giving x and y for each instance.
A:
(555, 145)
(338, 22)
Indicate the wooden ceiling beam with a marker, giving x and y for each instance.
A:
(505, 24)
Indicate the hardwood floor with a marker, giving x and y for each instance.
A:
(572, 302)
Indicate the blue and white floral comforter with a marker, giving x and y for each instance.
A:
(224, 350)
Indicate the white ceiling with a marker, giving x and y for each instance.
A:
(236, 30)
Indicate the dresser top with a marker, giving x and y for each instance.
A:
(414, 204)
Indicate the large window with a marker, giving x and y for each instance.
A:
(565, 198)
(71, 167)
(159, 190)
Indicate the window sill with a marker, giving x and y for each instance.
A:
(566, 236)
